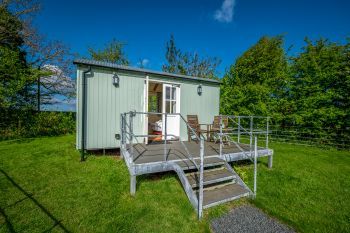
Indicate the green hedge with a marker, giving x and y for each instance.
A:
(22, 124)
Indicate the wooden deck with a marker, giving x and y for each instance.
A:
(220, 182)
(144, 154)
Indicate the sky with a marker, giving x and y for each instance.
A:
(215, 28)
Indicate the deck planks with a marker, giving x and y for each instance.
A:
(150, 153)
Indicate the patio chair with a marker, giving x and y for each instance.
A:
(193, 122)
(215, 129)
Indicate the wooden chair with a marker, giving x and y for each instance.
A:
(215, 128)
(193, 122)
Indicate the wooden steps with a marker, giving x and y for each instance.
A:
(220, 183)
(208, 162)
(210, 176)
(222, 194)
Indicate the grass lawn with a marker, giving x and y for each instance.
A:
(45, 187)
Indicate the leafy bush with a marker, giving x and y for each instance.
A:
(53, 123)
(20, 124)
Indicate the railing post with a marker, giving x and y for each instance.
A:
(251, 133)
(239, 129)
(165, 137)
(121, 134)
(131, 138)
(201, 168)
(124, 119)
(255, 162)
(220, 117)
(267, 132)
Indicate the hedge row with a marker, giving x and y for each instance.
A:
(21, 124)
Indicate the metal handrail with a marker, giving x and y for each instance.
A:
(239, 125)
(199, 167)
(170, 114)
(255, 154)
(231, 140)
(252, 132)
(127, 133)
(190, 157)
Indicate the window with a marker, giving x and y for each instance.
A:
(170, 99)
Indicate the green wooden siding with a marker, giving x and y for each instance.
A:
(205, 106)
(105, 102)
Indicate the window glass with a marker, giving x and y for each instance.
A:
(167, 106)
(173, 89)
(173, 107)
(167, 93)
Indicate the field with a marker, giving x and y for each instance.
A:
(44, 187)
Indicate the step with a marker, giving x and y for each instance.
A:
(208, 162)
(210, 176)
(222, 194)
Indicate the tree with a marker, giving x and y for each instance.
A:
(189, 63)
(15, 75)
(112, 52)
(38, 52)
(258, 82)
(321, 84)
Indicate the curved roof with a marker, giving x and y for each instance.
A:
(139, 70)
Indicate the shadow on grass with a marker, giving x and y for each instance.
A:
(17, 141)
(38, 204)
(7, 221)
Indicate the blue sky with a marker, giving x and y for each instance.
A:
(222, 28)
(146, 25)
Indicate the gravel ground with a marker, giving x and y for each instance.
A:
(248, 219)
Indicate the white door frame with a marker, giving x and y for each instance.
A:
(145, 109)
(174, 120)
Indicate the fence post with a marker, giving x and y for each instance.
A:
(220, 117)
(251, 134)
(239, 130)
(255, 162)
(201, 168)
(267, 132)
(165, 137)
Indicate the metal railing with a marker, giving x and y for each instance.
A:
(128, 136)
(239, 130)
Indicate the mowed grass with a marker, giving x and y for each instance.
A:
(44, 187)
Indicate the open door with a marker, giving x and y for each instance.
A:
(171, 105)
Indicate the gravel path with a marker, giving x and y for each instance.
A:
(248, 219)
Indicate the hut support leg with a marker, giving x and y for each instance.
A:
(270, 161)
(132, 185)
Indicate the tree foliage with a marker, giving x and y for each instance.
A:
(310, 89)
(26, 60)
(321, 84)
(34, 53)
(186, 63)
(256, 83)
(15, 75)
(112, 52)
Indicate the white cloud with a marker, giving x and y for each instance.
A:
(225, 13)
(57, 81)
(143, 63)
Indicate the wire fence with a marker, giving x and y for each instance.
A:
(327, 137)
(302, 135)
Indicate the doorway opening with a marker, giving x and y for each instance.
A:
(163, 98)
(155, 104)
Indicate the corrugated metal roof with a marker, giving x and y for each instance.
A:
(139, 70)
